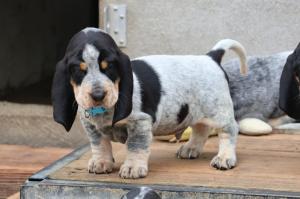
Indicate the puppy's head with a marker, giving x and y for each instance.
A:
(289, 98)
(93, 72)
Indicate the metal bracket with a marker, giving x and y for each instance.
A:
(115, 22)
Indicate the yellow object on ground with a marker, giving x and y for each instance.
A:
(172, 138)
(184, 137)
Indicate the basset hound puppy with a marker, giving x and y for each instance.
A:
(132, 101)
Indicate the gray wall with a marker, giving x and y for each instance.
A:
(194, 26)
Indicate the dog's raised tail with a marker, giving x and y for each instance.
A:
(222, 46)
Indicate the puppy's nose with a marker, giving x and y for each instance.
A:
(98, 95)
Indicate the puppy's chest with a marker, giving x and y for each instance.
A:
(102, 121)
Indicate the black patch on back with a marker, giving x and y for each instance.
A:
(183, 112)
(217, 56)
(150, 87)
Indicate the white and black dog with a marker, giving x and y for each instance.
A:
(130, 101)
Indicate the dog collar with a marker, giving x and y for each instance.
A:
(94, 111)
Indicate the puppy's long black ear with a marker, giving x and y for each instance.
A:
(123, 106)
(63, 100)
(289, 96)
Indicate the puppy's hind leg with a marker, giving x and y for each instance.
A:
(226, 157)
(279, 121)
(285, 124)
(193, 148)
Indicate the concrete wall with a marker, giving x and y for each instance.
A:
(194, 26)
(33, 125)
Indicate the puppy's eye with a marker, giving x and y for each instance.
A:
(103, 65)
(83, 66)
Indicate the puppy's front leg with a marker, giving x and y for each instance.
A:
(138, 143)
(102, 158)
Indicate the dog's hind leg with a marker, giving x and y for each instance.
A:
(226, 157)
(289, 128)
(275, 122)
(285, 124)
(193, 148)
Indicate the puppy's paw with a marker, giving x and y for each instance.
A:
(133, 170)
(223, 162)
(98, 165)
(188, 152)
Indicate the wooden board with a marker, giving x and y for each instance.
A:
(19, 162)
(264, 163)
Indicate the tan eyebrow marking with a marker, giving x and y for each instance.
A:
(83, 66)
(104, 64)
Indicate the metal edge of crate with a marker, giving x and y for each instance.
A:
(41, 178)
(43, 173)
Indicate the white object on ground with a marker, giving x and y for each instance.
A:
(253, 126)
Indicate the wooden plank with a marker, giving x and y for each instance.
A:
(14, 196)
(19, 162)
(264, 163)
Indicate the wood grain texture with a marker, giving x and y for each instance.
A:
(19, 162)
(266, 163)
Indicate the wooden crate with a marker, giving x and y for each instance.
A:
(18, 162)
(268, 166)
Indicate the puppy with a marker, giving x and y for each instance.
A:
(130, 101)
(256, 96)
(141, 193)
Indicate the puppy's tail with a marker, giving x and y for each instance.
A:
(222, 46)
